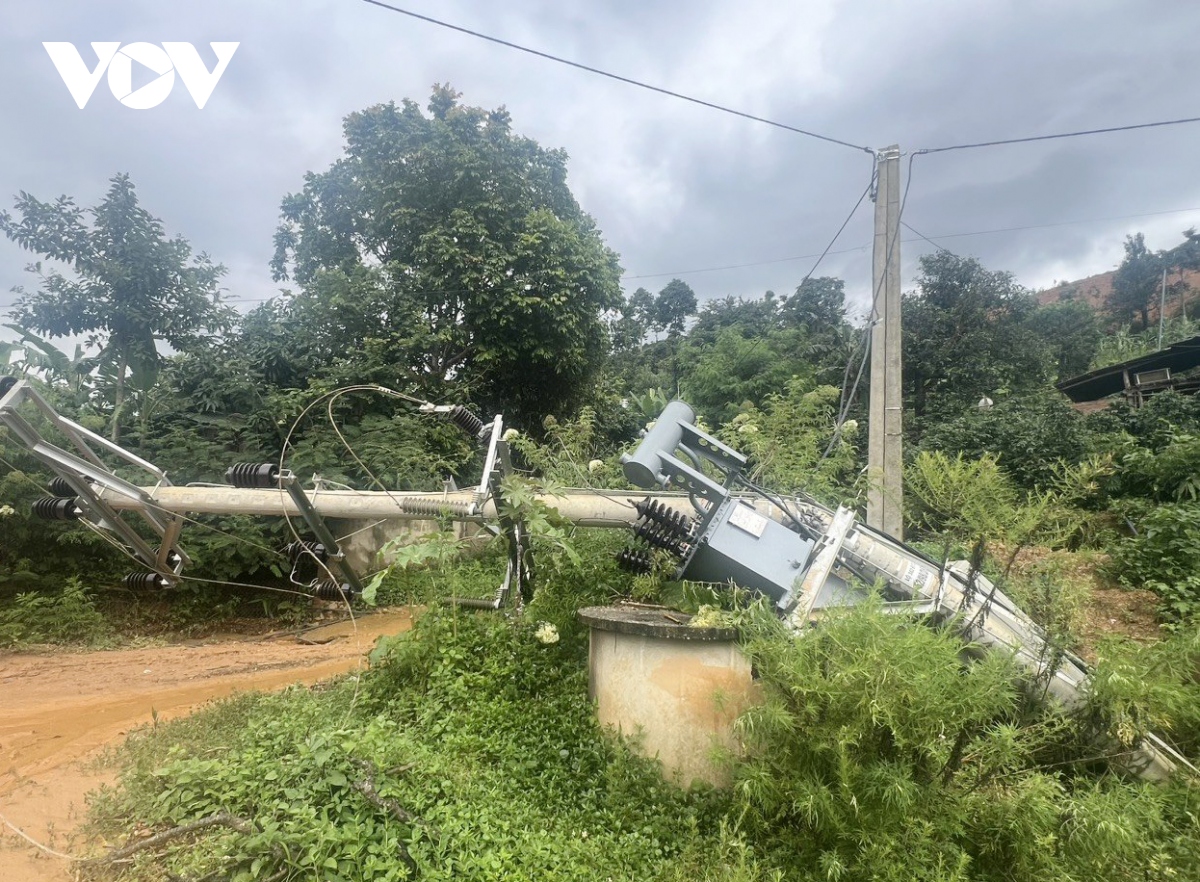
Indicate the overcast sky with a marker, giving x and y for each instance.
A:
(677, 189)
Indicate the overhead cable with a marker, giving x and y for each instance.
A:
(849, 217)
(612, 76)
(921, 235)
(1060, 135)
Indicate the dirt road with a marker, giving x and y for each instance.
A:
(57, 711)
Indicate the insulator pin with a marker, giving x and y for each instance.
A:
(146, 581)
(59, 487)
(251, 475)
(335, 592)
(660, 513)
(636, 562)
(466, 420)
(52, 508)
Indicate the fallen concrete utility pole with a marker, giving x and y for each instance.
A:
(589, 508)
(723, 528)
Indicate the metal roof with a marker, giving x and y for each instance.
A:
(1101, 383)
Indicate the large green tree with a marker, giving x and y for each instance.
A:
(127, 288)
(966, 336)
(453, 247)
(1137, 281)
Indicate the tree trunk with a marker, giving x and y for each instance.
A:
(114, 429)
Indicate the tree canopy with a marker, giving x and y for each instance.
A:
(966, 337)
(455, 247)
(129, 288)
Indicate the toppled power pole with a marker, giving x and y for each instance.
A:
(885, 468)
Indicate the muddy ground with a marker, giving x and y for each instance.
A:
(58, 711)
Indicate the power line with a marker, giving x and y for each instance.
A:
(715, 269)
(618, 77)
(1029, 139)
(1090, 220)
(926, 238)
(849, 217)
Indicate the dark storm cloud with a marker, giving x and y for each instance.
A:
(676, 188)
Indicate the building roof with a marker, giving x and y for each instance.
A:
(1101, 383)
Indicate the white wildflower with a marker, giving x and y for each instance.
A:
(595, 465)
(7, 511)
(546, 633)
(511, 434)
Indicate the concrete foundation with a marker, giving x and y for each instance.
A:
(672, 689)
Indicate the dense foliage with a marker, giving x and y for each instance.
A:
(470, 751)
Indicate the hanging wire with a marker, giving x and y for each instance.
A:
(1060, 135)
(612, 76)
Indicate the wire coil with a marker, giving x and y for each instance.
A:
(661, 536)
(658, 512)
(335, 592)
(59, 487)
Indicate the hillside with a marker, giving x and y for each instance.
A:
(1182, 288)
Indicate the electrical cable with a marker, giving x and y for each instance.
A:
(927, 239)
(731, 266)
(1026, 140)
(617, 77)
(849, 217)
(182, 578)
(38, 845)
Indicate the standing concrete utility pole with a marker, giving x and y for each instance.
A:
(885, 468)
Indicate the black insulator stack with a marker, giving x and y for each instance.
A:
(299, 549)
(661, 536)
(660, 513)
(248, 475)
(59, 487)
(146, 581)
(466, 421)
(334, 591)
(54, 508)
(636, 562)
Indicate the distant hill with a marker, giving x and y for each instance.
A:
(1182, 287)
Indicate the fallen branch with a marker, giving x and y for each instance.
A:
(221, 819)
(389, 804)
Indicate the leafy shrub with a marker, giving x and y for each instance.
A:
(68, 615)
(787, 437)
(1026, 436)
(1165, 557)
(879, 755)
(1169, 473)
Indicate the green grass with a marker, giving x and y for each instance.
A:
(877, 755)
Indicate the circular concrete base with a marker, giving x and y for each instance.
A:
(673, 689)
